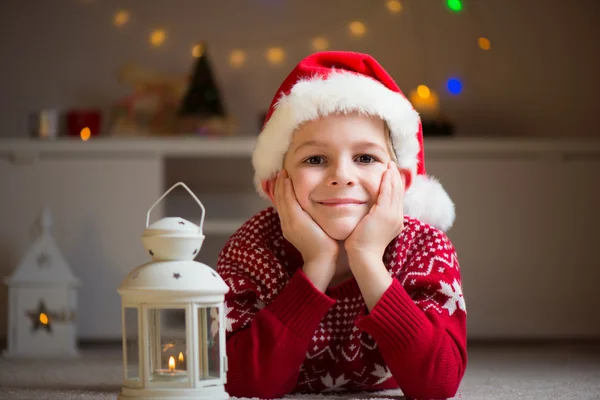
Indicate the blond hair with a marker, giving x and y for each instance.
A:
(390, 143)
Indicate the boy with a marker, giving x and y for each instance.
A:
(349, 283)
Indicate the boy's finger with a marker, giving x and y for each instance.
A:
(289, 192)
(384, 191)
(279, 193)
(396, 184)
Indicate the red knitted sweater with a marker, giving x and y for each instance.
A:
(285, 336)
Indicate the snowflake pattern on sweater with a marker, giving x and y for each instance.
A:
(344, 348)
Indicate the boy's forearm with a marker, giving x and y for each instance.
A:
(319, 272)
(265, 357)
(371, 275)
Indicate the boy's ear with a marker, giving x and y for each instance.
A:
(407, 176)
(268, 187)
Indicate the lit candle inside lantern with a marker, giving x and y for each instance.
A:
(171, 373)
(43, 318)
(180, 357)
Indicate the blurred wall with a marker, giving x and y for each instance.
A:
(539, 78)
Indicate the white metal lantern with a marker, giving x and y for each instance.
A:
(172, 316)
(42, 300)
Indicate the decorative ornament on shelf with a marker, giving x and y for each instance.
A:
(151, 109)
(173, 316)
(83, 124)
(45, 124)
(42, 301)
(202, 111)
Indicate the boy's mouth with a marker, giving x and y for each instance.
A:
(340, 202)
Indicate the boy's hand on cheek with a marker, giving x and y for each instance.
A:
(384, 221)
(319, 251)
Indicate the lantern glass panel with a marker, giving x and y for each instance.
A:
(131, 332)
(167, 345)
(209, 358)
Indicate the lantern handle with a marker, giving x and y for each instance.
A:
(167, 192)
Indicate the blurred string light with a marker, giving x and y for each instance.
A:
(454, 85)
(157, 37)
(394, 6)
(237, 58)
(121, 17)
(423, 91)
(484, 43)
(320, 44)
(454, 5)
(275, 55)
(198, 50)
(357, 28)
(425, 101)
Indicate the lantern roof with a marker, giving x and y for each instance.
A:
(176, 226)
(174, 278)
(43, 264)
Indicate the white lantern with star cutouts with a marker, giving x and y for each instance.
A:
(172, 316)
(42, 300)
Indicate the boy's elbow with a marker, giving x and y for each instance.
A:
(438, 387)
(438, 393)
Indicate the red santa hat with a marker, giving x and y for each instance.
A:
(338, 82)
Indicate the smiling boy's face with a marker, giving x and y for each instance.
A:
(336, 164)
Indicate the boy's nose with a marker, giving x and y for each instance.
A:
(341, 176)
(341, 183)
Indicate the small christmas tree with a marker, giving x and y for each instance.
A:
(202, 110)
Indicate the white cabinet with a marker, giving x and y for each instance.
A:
(526, 229)
(99, 206)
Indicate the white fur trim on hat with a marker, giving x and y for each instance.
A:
(427, 201)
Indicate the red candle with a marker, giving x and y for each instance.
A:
(83, 123)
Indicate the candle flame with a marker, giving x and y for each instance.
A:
(43, 318)
(180, 357)
(85, 133)
(171, 364)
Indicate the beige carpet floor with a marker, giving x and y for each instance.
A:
(540, 372)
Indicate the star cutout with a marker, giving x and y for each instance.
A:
(176, 275)
(44, 260)
(40, 318)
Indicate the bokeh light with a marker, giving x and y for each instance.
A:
(121, 17)
(454, 85)
(157, 37)
(237, 58)
(320, 44)
(484, 43)
(423, 91)
(357, 28)
(454, 5)
(198, 50)
(394, 6)
(275, 55)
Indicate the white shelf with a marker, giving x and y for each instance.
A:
(242, 146)
(143, 146)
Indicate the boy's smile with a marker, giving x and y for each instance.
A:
(336, 164)
(340, 202)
